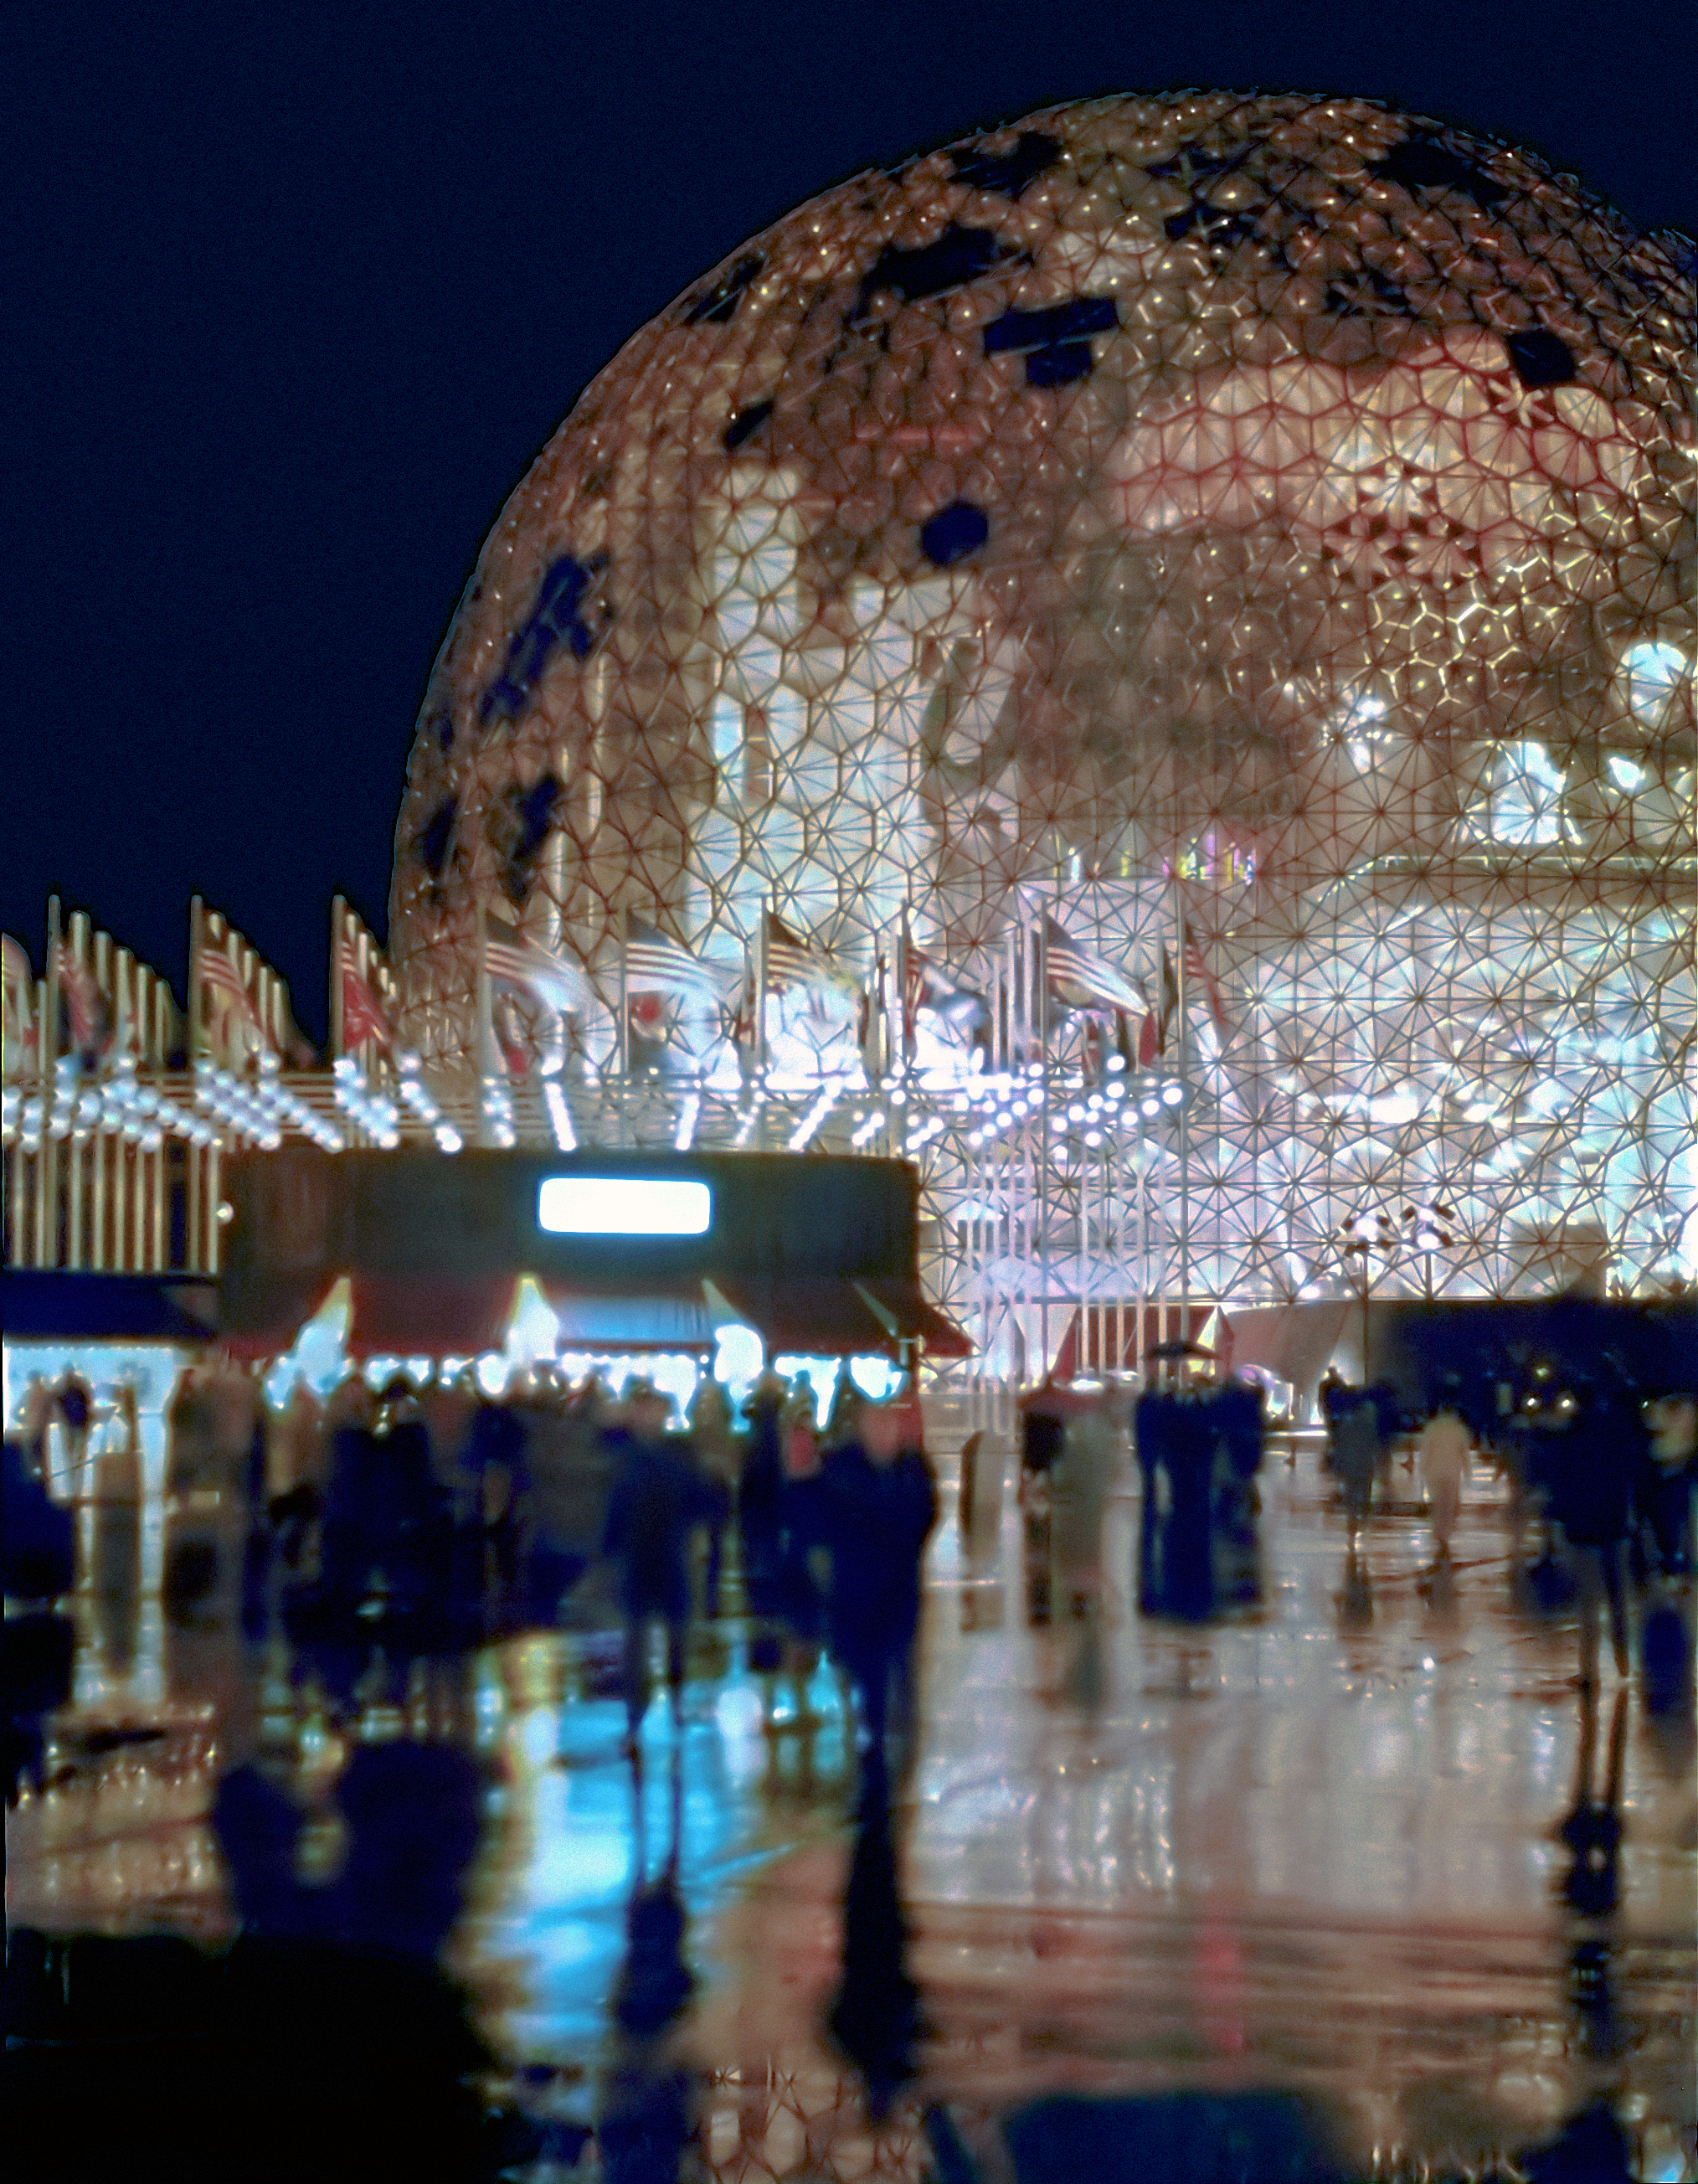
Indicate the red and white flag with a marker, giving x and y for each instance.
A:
(512, 959)
(220, 977)
(1196, 968)
(19, 985)
(88, 1014)
(362, 1014)
(793, 960)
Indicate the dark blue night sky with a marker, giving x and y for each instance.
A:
(296, 294)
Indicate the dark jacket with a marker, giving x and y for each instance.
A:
(1592, 1471)
(658, 1498)
(878, 1518)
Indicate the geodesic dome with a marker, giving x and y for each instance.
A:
(1276, 501)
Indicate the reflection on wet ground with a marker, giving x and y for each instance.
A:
(1363, 1854)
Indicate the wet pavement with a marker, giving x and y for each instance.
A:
(1316, 1848)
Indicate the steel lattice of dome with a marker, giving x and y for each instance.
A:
(1272, 512)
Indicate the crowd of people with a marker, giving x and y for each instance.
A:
(432, 1519)
(1600, 1475)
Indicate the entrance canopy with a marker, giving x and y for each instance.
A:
(631, 1249)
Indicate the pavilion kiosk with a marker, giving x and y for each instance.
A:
(658, 1251)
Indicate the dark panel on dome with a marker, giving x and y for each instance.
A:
(1007, 172)
(1015, 331)
(1422, 163)
(435, 838)
(1059, 365)
(745, 424)
(953, 532)
(1541, 358)
(959, 254)
(718, 307)
(518, 834)
(1056, 342)
(555, 619)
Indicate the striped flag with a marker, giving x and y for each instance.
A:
(928, 985)
(792, 961)
(362, 1014)
(88, 1014)
(219, 976)
(1080, 979)
(513, 959)
(655, 963)
(19, 981)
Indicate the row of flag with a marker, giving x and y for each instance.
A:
(238, 1006)
(654, 966)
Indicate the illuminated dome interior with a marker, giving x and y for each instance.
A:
(1278, 497)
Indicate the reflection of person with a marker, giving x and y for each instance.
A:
(1592, 1830)
(647, 2097)
(340, 2049)
(1354, 1599)
(876, 2017)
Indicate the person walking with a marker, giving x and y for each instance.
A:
(761, 1522)
(882, 1503)
(1356, 1450)
(1080, 1481)
(656, 1502)
(718, 1459)
(1592, 1464)
(803, 1558)
(1444, 1449)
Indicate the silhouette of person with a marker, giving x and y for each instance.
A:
(882, 1503)
(1592, 1471)
(1356, 1451)
(760, 1519)
(1445, 1447)
(657, 1500)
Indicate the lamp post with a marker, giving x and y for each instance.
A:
(1361, 1239)
(1423, 1229)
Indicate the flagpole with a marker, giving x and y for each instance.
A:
(1037, 1003)
(899, 1009)
(760, 992)
(1180, 977)
(624, 1049)
(47, 1056)
(486, 1029)
(338, 927)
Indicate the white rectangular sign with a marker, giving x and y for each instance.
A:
(623, 1205)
